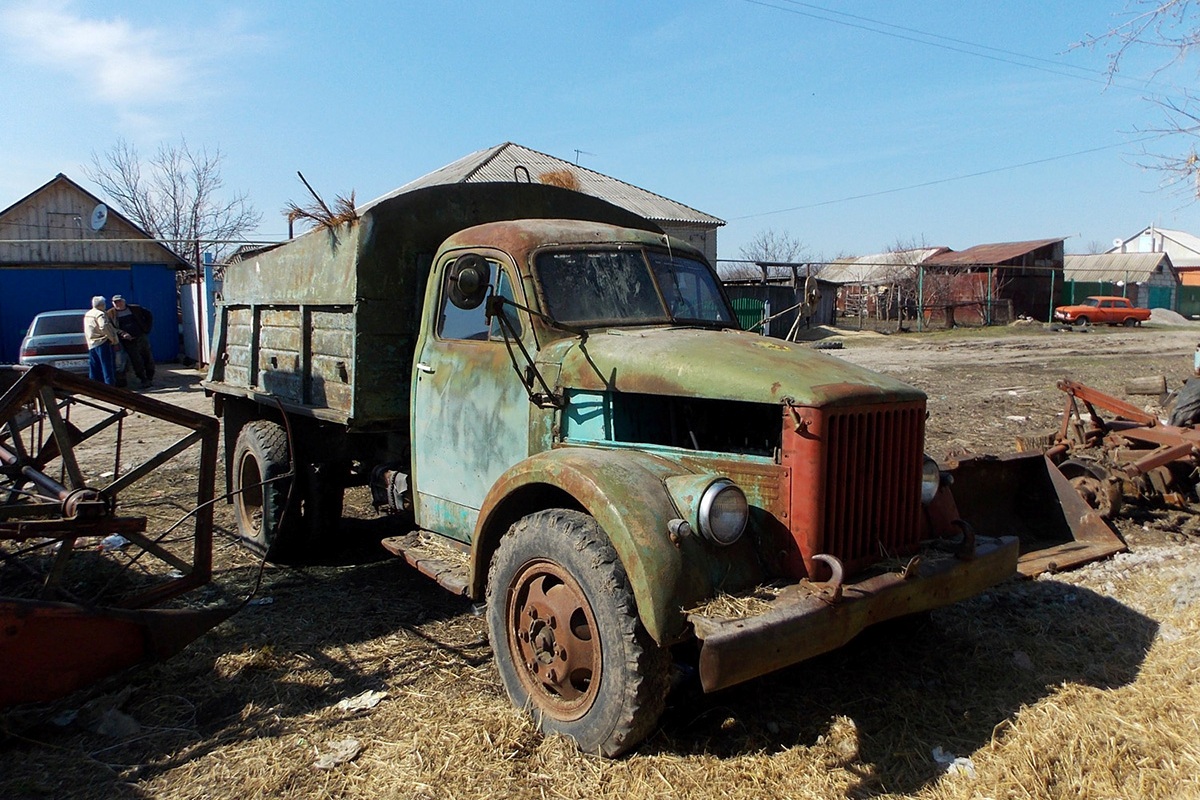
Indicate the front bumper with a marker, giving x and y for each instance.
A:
(806, 621)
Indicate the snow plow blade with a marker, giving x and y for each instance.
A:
(1025, 495)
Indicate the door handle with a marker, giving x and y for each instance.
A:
(423, 367)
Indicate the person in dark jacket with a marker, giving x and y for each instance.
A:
(133, 323)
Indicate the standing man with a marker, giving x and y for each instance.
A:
(101, 335)
(134, 323)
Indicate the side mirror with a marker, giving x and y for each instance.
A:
(469, 281)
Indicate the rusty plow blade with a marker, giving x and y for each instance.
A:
(91, 552)
(1025, 495)
(51, 649)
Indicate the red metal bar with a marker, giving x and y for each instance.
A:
(1117, 406)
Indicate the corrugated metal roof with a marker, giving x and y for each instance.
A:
(990, 253)
(1132, 267)
(509, 162)
(878, 268)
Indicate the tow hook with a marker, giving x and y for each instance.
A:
(966, 550)
(832, 590)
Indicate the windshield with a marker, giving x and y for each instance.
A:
(1092, 302)
(629, 287)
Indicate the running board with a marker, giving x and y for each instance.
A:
(434, 557)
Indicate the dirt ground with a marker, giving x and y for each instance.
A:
(1084, 684)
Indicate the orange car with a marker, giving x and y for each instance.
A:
(1106, 310)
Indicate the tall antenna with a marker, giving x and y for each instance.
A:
(579, 153)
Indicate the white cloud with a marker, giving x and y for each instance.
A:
(115, 60)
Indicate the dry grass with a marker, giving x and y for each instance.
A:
(1052, 688)
(562, 178)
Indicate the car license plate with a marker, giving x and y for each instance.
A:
(73, 363)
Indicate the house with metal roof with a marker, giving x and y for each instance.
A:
(513, 162)
(1181, 246)
(878, 286)
(996, 282)
(880, 268)
(60, 246)
(1149, 280)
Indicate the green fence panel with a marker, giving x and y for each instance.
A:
(1189, 301)
(749, 311)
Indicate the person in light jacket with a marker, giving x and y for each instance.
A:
(101, 336)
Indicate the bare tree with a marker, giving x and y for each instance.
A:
(767, 246)
(1170, 28)
(898, 286)
(175, 196)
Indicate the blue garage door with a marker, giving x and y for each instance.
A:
(25, 292)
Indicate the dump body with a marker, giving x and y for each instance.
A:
(326, 323)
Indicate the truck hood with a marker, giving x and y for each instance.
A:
(726, 365)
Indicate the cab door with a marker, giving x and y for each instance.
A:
(471, 412)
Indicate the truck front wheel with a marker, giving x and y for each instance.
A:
(566, 635)
(260, 493)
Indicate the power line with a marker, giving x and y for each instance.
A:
(947, 180)
(1007, 56)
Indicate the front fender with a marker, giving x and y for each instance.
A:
(624, 492)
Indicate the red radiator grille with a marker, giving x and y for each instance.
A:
(856, 483)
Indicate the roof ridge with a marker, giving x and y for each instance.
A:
(615, 180)
(489, 158)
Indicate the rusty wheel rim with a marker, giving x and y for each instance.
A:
(552, 635)
(250, 500)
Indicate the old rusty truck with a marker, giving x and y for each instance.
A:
(556, 404)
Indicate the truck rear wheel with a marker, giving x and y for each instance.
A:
(566, 635)
(260, 456)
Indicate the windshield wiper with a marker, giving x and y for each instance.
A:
(495, 308)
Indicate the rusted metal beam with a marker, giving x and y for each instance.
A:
(1106, 401)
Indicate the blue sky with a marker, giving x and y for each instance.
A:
(766, 114)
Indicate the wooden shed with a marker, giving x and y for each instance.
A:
(60, 246)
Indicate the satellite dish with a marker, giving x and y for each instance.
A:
(99, 216)
(1118, 242)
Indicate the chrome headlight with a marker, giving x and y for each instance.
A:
(723, 512)
(931, 479)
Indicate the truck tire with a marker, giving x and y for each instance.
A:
(566, 635)
(260, 455)
(1186, 408)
